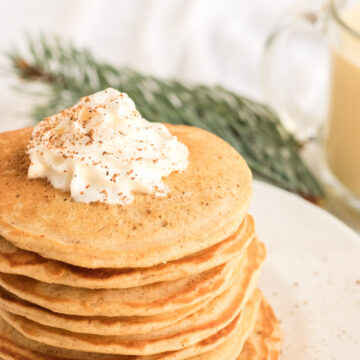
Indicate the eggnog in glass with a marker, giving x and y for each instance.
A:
(339, 22)
(342, 143)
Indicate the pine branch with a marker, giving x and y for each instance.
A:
(252, 128)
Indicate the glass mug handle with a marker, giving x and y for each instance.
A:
(276, 76)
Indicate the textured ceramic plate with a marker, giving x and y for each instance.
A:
(311, 276)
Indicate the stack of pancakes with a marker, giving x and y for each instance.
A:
(169, 277)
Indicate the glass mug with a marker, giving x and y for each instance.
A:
(337, 69)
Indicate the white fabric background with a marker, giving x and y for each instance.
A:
(208, 41)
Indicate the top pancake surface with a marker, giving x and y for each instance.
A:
(205, 205)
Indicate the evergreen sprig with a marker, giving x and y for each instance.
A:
(254, 129)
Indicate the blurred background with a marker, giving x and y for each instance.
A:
(201, 41)
(206, 41)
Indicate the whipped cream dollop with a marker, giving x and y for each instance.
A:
(101, 149)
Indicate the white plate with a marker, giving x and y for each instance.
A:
(311, 276)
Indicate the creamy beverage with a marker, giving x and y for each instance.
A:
(343, 136)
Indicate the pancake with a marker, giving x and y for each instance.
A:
(206, 204)
(224, 343)
(14, 346)
(206, 322)
(265, 341)
(190, 332)
(145, 300)
(230, 349)
(244, 282)
(210, 348)
(22, 262)
(96, 324)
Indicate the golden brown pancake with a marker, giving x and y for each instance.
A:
(265, 341)
(211, 348)
(206, 322)
(22, 262)
(170, 278)
(96, 324)
(244, 284)
(152, 299)
(206, 205)
(167, 340)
